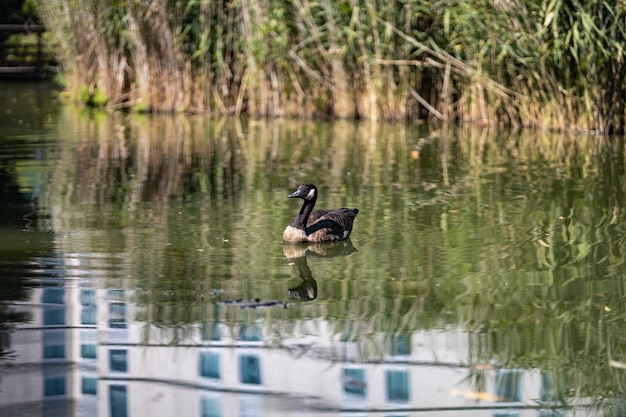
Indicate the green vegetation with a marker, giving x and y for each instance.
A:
(553, 64)
(95, 98)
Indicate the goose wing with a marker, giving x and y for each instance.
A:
(332, 222)
(316, 215)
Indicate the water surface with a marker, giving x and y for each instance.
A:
(143, 270)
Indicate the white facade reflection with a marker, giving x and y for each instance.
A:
(83, 355)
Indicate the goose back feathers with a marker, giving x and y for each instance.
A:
(318, 225)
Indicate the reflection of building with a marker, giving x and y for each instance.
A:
(83, 355)
(55, 368)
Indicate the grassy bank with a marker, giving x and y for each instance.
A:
(553, 64)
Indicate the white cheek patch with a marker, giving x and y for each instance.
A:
(310, 195)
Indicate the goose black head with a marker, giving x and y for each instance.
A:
(305, 191)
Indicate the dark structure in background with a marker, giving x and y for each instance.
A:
(19, 57)
(22, 47)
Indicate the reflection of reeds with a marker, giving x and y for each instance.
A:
(516, 237)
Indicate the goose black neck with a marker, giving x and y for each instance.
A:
(305, 212)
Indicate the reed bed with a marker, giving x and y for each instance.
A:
(554, 64)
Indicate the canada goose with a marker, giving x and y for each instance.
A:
(319, 225)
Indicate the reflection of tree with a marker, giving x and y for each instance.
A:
(546, 291)
(13, 286)
(297, 254)
(13, 205)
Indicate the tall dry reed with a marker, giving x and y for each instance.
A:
(556, 64)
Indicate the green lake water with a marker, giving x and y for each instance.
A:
(142, 270)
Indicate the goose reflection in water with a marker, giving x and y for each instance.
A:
(297, 255)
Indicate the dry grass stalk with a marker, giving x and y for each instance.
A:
(508, 63)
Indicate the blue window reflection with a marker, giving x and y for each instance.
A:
(88, 351)
(115, 295)
(250, 369)
(211, 331)
(118, 400)
(117, 315)
(549, 393)
(54, 385)
(87, 297)
(54, 344)
(88, 315)
(401, 345)
(508, 385)
(89, 385)
(250, 333)
(353, 382)
(397, 386)
(210, 407)
(210, 365)
(53, 316)
(88, 303)
(53, 295)
(54, 351)
(118, 360)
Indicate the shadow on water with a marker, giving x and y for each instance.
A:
(489, 273)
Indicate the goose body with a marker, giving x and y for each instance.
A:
(313, 226)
